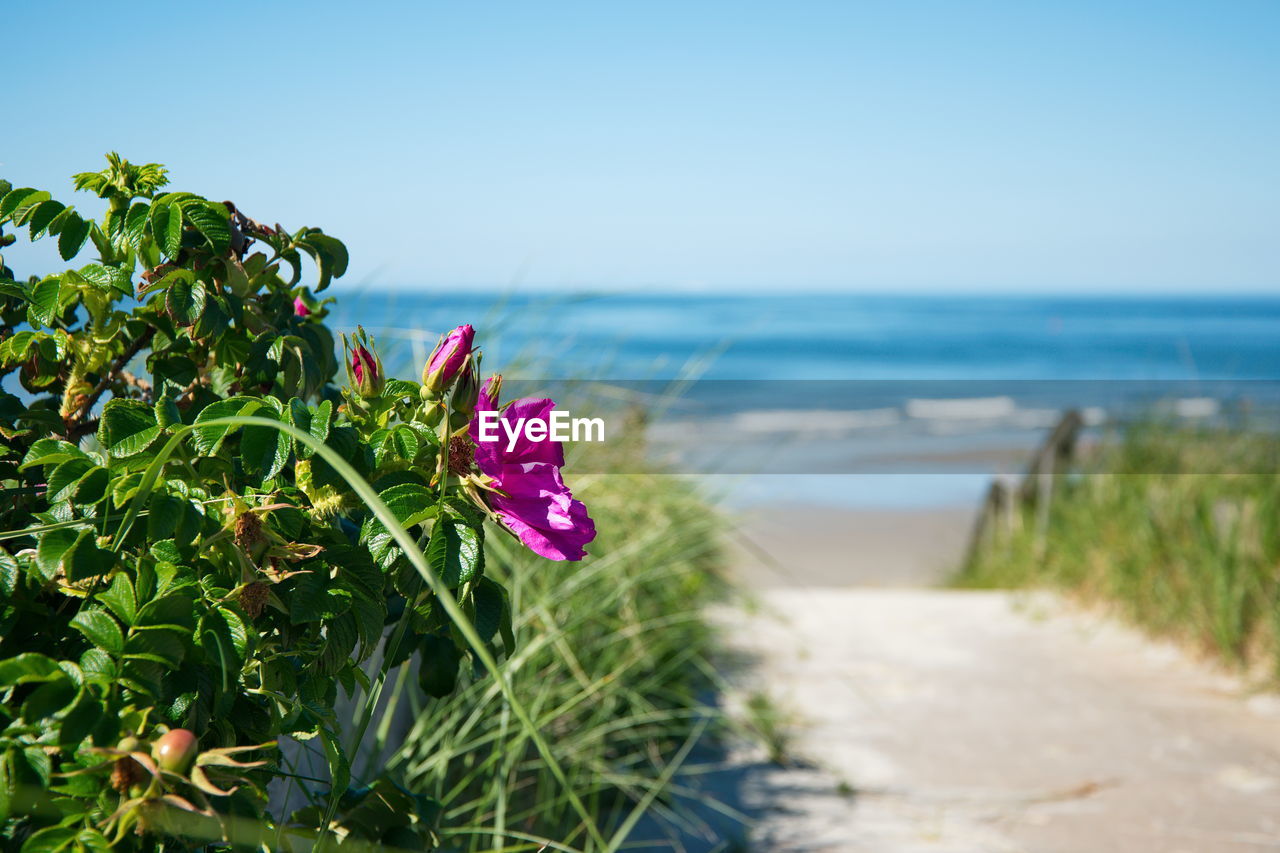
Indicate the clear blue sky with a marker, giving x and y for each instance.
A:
(957, 146)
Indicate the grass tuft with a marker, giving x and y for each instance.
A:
(1190, 556)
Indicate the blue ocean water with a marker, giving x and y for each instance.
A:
(854, 400)
(843, 336)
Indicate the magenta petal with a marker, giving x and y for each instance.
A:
(535, 504)
(554, 544)
(531, 451)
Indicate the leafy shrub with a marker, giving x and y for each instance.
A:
(208, 540)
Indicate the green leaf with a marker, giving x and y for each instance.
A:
(166, 227)
(49, 698)
(127, 427)
(120, 599)
(135, 224)
(136, 443)
(172, 612)
(185, 300)
(63, 478)
(412, 503)
(44, 301)
(50, 451)
(54, 546)
(87, 560)
(158, 646)
(16, 202)
(27, 668)
(108, 279)
(263, 449)
(314, 420)
(19, 199)
(41, 215)
(9, 574)
(101, 630)
(211, 219)
(456, 550)
(339, 767)
(167, 412)
(490, 602)
(71, 237)
(80, 719)
(208, 439)
(92, 487)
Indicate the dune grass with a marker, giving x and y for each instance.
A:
(1176, 528)
(611, 659)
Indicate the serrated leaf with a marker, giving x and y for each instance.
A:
(120, 599)
(71, 236)
(136, 443)
(49, 698)
(50, 451)
(18, 199)
(455, 551)
(135, 224)
(160, 646)
(54, 546)
(127, 427)
(172, 612)
(92, 487)
(167, 412)
(40, 215)
(108, 279)
(211, 219)
(87, 560)
(9, 573)
(166, 227)
(63, 478)
(411, 503)
(101, 630)
(263, 449)
(208, 439)
(28, 668)
(43, 306)
(185, 300)
(16, 202)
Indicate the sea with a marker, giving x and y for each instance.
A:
(853, 399)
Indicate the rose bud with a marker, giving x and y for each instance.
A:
(300, 308)
(175, 750)
(447, 358)
(365, 369)
(467, 390)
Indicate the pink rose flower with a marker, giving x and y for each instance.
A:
(535, 504)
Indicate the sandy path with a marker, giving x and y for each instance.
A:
(978, 722)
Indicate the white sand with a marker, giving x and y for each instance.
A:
(980, 722)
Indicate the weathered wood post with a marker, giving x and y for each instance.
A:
(1004, 506)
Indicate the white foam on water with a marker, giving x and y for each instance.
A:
(962, 408)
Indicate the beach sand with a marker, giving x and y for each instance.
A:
(920, 719)
(794, 545)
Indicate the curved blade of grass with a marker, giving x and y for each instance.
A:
(402, 538)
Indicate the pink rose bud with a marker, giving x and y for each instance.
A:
(447, 358)
(367, 369)
(300, 308)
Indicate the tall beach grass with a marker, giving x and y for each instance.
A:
(1177, 528)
